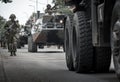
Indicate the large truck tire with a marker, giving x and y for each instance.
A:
(67, 43)
(82, 49)
(115, 37)
(32, 47)
(102, 59)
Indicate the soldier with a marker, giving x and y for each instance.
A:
(48, 9)
(11, 30)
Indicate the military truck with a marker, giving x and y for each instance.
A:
(92, 35)
(48, 30)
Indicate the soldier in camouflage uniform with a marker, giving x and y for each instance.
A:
(48, 9)
(11, 30)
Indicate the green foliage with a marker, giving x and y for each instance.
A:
(2, 23)
(61, 6)
(64, 10)
(59, 2)
(6, 1)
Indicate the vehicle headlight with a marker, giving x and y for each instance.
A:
(61, 21)
(20, 33)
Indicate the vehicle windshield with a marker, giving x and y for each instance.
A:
(47, 19)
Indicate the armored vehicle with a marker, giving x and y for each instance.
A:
(48, 30)
(92, 32)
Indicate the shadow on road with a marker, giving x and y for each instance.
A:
(108, 77)
(50, 52)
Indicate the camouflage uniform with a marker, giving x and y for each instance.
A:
(11, 30)
(48, 9)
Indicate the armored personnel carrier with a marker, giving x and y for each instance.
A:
(48, 30)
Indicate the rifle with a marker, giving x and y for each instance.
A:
(54, 7)
(11, 28)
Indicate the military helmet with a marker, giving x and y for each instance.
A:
(12, 16)
(48, 6)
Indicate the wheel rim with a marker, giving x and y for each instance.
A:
(115, 44)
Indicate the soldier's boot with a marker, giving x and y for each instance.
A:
(11, 53)
(14, 53)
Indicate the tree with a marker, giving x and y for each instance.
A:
(59, 2)
(2, 21)
(61, 6)
(6, 1)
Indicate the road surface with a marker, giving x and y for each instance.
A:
(47, 65)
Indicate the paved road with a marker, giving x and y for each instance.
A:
(47, 65)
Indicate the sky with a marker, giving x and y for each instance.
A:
(22, 8)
